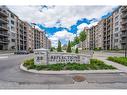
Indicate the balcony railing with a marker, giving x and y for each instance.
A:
(4, 41)
(123, 34)
(3, 33)
(3, 27)
(124, 21)
(123, 28)
(3, 20)
(3, 13)
(124, 9)
(124, 15)
(123, 41)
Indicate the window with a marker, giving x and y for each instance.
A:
(116, 29)
(12, 28)
(116, 23)
(115, 40)
(12, 22)
(116, 18)
(12, 15)
(116, 35)
(13, 40)
(13, 34)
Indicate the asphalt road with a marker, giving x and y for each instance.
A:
(11, 77)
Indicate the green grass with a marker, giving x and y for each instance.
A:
(120, 60)
(94, 65)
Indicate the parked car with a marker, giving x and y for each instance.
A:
(21, 52)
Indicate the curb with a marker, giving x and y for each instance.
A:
(69, 72)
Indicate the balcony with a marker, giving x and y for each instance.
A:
(3, 27)
(3, 20)
(123, 28)
(4, 41)
(123, 34)
(3, 33)
(124, 21)
(124, 15)
(124, 9)
(123, 41)
(3, 13)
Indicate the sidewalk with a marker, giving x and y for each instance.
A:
(117, 65)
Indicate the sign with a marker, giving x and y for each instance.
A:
(43, 56)
(40, 56)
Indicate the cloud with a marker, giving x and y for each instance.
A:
(68, 15)
(63, 36)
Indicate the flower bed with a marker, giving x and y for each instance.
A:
(94, 65)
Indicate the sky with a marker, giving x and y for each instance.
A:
(62, 22)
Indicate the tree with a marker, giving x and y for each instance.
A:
(52, 48)
(82, 37)
(76, 51)
(76, 40)
(69, 47)
(59, 46)
(72, 43)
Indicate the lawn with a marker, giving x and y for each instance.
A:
(120, 60)
(94, 65)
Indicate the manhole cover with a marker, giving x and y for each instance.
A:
(78, 78)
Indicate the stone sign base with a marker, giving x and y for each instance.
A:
(44, 56)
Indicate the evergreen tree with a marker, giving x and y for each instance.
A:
(76, 40)
(59, 46)
(51, 49)
(76, 51)
(82, 37)
(69, 47)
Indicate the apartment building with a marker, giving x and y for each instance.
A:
(3, 28)
(44, 40)
(48, 44)
(18, 35)
(124, 27)
(21, 43)
(92, 38)
(30, 37)
(117, 28)
(12, 30)
(108, 33)
(37, 38)
(99, 35)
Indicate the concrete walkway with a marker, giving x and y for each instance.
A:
(117, 65)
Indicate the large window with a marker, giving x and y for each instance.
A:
(12, 15)
(116, 29)
(116, 35)
(115, 40)
(12, 22)
(13, 40)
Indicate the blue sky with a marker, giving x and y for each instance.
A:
(62, 22)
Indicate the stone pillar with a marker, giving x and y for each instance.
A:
(41, 56)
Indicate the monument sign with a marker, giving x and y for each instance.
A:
(43, 56)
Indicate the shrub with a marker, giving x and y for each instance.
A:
(31, 67)
(40, 67)
(120, 60)
(76, 51)
(94, 65)
(28, 62)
